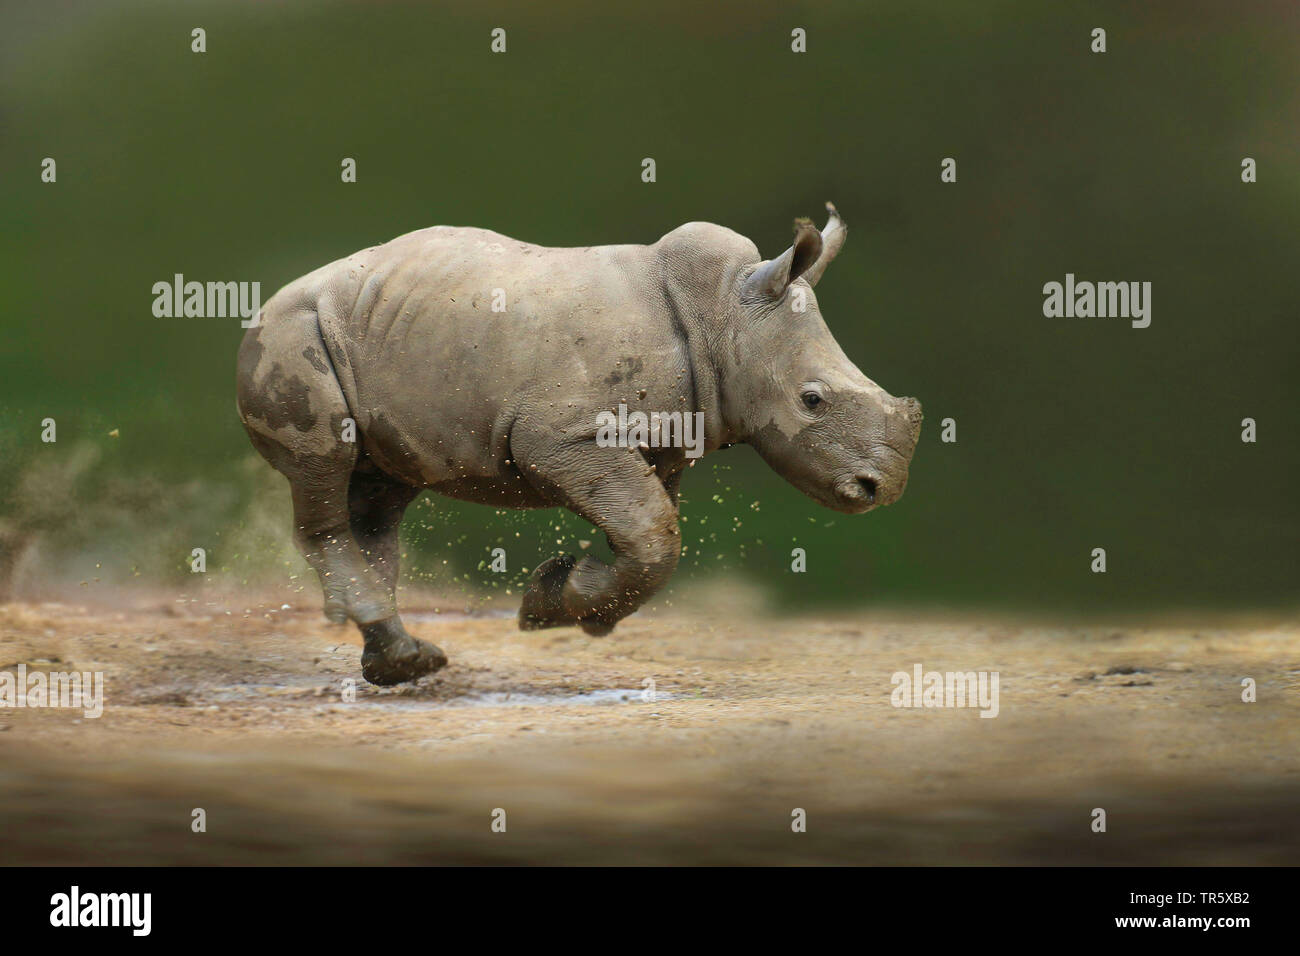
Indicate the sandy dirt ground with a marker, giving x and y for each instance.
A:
(242, 710)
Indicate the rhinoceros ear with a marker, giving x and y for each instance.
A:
(833, 237)
(772, 278)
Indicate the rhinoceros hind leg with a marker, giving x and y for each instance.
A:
(293, 408)
(376, 504)
(392, 656)
(323, 533)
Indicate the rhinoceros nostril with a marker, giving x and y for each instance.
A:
(868, 485)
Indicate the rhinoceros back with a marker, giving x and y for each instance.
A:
(444, 338)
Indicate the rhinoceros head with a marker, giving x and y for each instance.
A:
(796, 398)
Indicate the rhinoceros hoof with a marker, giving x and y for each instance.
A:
(392, 656)
(596, 628)
(543, 603)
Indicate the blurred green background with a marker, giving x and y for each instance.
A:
(1072, 433)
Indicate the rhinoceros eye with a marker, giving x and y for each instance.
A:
(811, 400)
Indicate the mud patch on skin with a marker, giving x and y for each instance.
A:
(311, 355)
(629, 367)
(289, 461)
(250, 355)
(281, 400)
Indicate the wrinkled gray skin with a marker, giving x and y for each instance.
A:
(501, 408)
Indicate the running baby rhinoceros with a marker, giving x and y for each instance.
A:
(478, 366)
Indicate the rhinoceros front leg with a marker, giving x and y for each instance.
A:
(619, 492)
